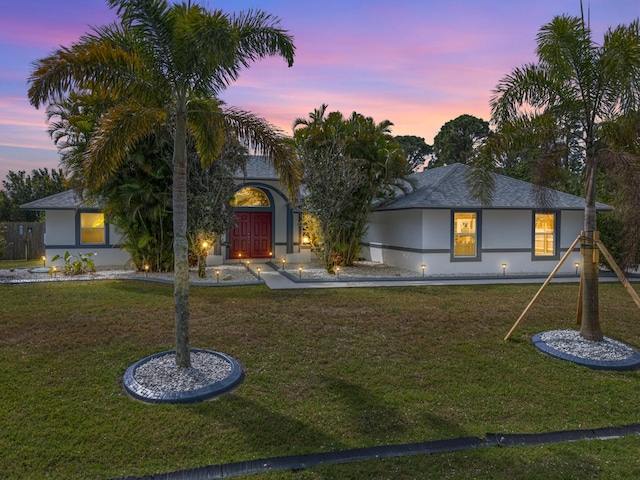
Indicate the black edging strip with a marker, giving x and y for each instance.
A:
(300, 462)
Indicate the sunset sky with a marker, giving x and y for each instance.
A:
(417, 63)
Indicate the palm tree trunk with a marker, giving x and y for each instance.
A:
(180, 243)
(590, 321)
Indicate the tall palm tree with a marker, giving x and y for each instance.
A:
(575, 89)
(166, 64)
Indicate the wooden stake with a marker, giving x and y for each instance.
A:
(579, 309)
(553, 273)
(614, 265)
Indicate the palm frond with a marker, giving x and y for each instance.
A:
(118, 133)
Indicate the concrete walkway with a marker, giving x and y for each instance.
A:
(275, 280)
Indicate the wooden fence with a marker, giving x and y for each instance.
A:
(24, 240)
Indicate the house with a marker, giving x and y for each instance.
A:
(525, 229)
(268, 226)
(439, 225)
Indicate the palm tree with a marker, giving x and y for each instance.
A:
(576, 89)
(165, 64)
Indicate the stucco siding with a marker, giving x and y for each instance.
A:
(506, 229)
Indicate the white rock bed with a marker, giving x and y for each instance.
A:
(228, 274)
(570, 342)
(161, 374)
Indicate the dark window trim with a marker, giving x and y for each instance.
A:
(556, 236)
(478, 256)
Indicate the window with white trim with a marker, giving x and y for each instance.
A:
(92, 228)
(465, 235)
(544, 241)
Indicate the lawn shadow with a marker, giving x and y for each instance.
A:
(266, 430)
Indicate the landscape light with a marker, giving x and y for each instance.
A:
(44, 261)
(423, 266)
(504, 269)
(218, 275)
(300, 273)
(577, 265)
(283, 262)
(258, 272)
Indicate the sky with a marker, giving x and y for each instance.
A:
(416, 63)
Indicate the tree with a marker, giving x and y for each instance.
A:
(415, 150)
(210, 192)
(20, 188)
(164, 65)
(577, 89)
(458, 140)
(347, 165)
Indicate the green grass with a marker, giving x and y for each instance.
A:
(325, 370)
(20, 263)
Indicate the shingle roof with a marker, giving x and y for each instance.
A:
(446, 187)
(258, 168)
(67, 200)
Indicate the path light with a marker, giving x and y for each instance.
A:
(218, 275)
(239, 258)
(300, 273)
(577, 265)
(305, 240)
(337, 271)
(146, 270)
(258, 272)
(205, 245)
(284, 260)
(55, 272)
(504, 269)
(423, 266)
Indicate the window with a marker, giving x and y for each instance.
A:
(250, 197)
(92, 230)
(464, 234)
(544, 236)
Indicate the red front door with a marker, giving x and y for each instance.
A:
(252, 236)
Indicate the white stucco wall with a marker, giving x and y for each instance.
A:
(60, 237)
(413, 238)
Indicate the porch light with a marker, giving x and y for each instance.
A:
(423, 267)
(577, 265)
(218, 275)
(258, 269)
(504, 269)
(300, 273)
(44, 261)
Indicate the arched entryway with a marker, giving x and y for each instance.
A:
(253, 235)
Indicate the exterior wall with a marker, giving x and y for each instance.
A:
(412, 238)
(61, 236)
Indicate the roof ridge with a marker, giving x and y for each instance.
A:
(437, 183)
